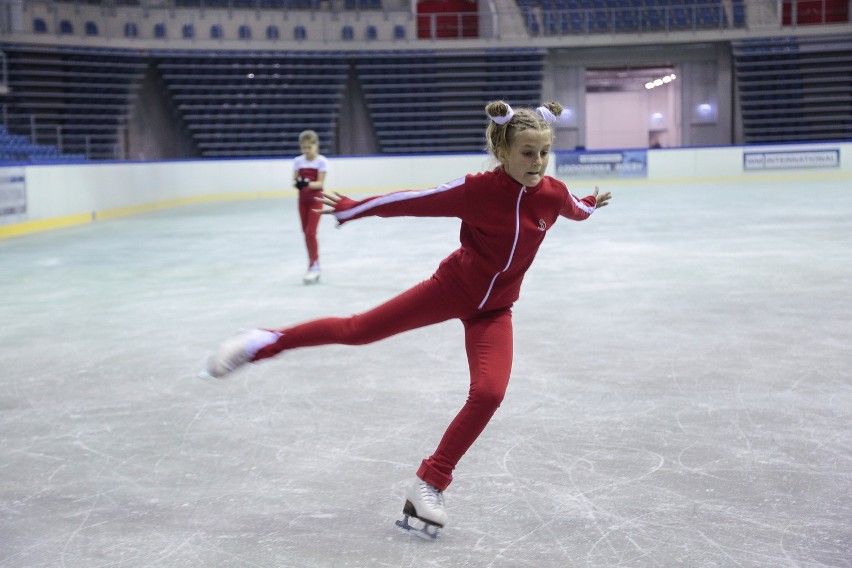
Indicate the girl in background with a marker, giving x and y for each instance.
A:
(309, 171)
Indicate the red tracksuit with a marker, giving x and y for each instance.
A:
(308, 204)
(503, 225)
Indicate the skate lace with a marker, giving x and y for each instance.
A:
(432, 496)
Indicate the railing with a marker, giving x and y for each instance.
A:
(64, 140)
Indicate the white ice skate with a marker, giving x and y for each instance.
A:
(423, 513)
(236, 352)
(312, 276)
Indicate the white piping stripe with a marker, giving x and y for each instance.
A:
(394, 197)
(514, 245)
(582, 206)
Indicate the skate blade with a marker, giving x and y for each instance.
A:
(205, 375)
(419, 528)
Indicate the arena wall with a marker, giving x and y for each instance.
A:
(43, 197)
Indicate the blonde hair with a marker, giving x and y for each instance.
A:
(309, 136)
(500, 136)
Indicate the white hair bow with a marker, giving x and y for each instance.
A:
(501, 120)
(562, 120)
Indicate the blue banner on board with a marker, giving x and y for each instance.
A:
(613, 163)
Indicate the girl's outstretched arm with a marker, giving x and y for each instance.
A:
(580, 209)
(330, 200)
(446, 200)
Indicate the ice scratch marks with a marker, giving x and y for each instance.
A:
(595, 491)
(633, 455)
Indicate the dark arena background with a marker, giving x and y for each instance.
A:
(154, 79)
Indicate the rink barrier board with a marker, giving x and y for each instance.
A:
(46, 197)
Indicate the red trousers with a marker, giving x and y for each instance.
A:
(310, 222)
(488, 341)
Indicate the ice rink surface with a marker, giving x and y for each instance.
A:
(681, 394)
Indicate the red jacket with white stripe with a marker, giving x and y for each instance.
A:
(503, 225)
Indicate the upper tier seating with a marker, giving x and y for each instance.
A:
(561, 17)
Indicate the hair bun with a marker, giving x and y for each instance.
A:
(499, 112)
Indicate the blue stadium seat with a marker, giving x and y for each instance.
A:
(39, 26)
(739, 13)
(91, 29)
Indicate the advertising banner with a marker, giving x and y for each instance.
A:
(791, 160)
(13, 193)
(606, 164)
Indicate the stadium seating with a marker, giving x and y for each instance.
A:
(75, 99)
(254, 103)
(19, 148)
(794, 89)
(563, 17)
(235, 104)
(436, 103)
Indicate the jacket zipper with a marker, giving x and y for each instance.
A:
(512, 252)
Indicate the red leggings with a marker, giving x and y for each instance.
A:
(488, 341)
(310, 223)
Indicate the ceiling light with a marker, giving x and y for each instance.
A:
(661, 81)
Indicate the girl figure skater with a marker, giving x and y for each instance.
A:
(309, 172)
(505, 214)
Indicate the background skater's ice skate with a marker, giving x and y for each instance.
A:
(423, 513)
(312, 276)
